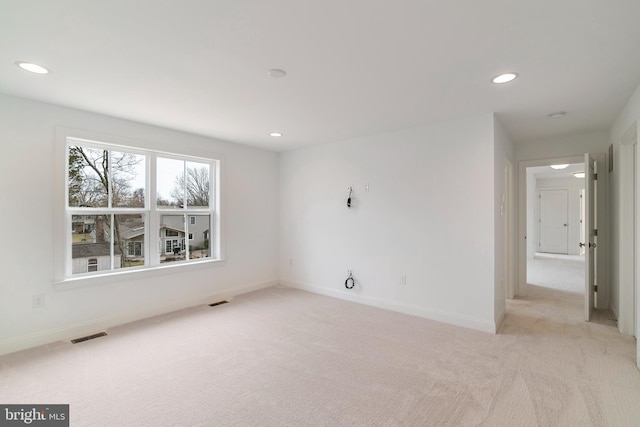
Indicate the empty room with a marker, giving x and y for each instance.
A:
(304, 213)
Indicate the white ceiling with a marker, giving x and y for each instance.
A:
(354, 67)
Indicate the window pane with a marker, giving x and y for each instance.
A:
(198, 184)
(172, 245)
(170, 183)
(199, 246)
(129, 233)
(128, 179)
(88, 177)
(91, 243)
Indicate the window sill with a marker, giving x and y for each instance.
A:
(134, 274)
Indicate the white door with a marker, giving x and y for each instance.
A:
(553, 221)
(582, 211)
(590, 243)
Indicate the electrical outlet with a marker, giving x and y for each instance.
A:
(403, 280)
(37, 301)
(350, 272)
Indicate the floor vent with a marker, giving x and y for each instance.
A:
(89, 337)
(218, 303)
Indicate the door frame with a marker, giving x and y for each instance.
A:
(507, 208)
(521, 244)
(591, 251)
(628, 246)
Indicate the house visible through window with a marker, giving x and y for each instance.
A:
(134, 249)
(114, 222)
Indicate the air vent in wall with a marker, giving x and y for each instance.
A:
(218, 303)
(89, 337)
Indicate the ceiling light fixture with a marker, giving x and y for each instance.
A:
(504, 78)
(276, 73)
(578, 174)
(275, 134)
(34, 68)
(558, 167)
(557, 114)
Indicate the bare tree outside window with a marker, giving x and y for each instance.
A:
(196, 186)
(105, 179)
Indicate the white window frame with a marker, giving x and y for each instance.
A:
(64, 278)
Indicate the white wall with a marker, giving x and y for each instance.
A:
(573, 187)
(27, 169)
(428, 215)
(624, 134)
(503, 152)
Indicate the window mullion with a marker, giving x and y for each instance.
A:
(107, 176)
(112, 241)
(152, 235)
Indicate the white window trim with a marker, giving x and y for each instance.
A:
(63, 279)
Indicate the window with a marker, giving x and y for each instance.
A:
(112, 217)
(134, 249)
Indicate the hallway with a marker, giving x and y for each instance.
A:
(562, 272)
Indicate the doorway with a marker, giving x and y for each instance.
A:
(554, 204)
(527, 240)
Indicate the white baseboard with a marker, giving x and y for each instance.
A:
(91, 326)
(440, 316)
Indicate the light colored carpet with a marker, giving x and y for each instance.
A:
(565, 272)
(284, 357)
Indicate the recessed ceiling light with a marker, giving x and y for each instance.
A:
(275, 134)
(557, 114)
(578, 174)
(34, 68)
(557, 167)
(276, 73)
(504, 78)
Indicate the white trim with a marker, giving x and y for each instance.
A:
(104, 323)
(437, 315)
(137, 273)
(66, 137)
(628, 203)
(509, 225)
